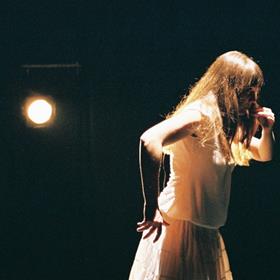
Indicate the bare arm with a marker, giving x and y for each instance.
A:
(262, 148)
(151, 144)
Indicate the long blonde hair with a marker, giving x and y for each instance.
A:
(229, 77)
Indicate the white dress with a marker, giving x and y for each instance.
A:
(194, 203)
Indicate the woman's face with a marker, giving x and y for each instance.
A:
(248, 101)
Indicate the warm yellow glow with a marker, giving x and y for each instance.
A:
(40, 111)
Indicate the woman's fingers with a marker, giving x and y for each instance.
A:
(258, 109)
(143, 226)
(159, 230)
(165, 223)
(264, 113)
(156, 227)
(151, 227)
(150, 232)
(265, 117)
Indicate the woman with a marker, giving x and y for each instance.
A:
(211, 130)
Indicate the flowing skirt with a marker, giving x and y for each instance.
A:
(184, 252)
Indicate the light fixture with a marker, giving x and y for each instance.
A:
(39, 111)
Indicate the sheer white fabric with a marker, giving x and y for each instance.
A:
(184, 252)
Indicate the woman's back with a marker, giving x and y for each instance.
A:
(198, 188)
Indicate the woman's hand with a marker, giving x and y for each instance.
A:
(262, 148)
(265, 117)
(151, 226)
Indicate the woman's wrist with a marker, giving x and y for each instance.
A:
(268, 135)
(150, 211)
(267, 130)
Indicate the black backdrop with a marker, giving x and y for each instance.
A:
(70, 194)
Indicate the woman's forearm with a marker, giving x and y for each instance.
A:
(266, 144)
(150, 156)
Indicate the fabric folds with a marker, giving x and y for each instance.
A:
(184, 252)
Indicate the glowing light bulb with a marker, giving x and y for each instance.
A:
(40, 111)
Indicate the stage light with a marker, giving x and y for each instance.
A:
(39, 111)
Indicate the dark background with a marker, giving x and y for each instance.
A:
(70, 194)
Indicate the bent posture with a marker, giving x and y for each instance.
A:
(211, 130)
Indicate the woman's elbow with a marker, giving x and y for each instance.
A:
(148, 138)
(264, 157)
(144, 138)
(151, 144)
(267, 158)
